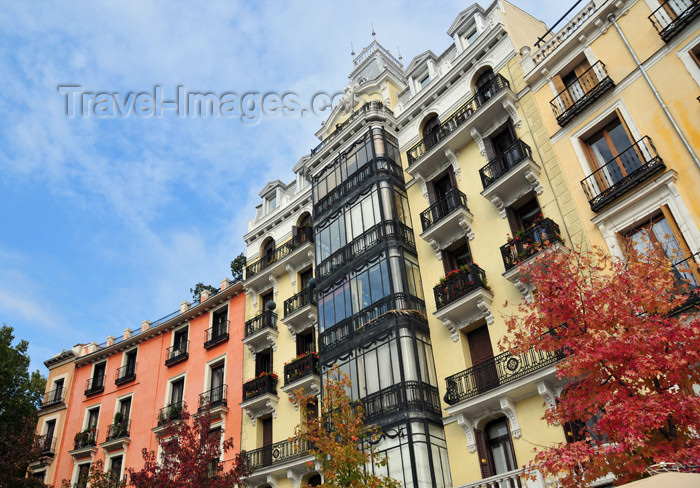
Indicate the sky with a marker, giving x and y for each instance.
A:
(111, 212)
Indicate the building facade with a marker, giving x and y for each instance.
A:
(109, 401)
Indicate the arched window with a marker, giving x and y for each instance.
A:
(495, 449)
(315, 480)
(431, 125)
(484, 85)
(268, 251)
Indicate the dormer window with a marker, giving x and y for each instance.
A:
(272, 202)
(471, 37)
(424, 81)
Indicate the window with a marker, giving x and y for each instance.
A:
(695, 54)
(98, 376)
(612, 149)
(305, 278)
(58, 391)
(125, 408)
(263, 362)
(217, 384)
(220, 322)
(83, 475)
(130, 363)
(484, 86)
(268, 252)
(177, 390)
(431, 125)
(495, 449)
(180, 341)
(115, 469)
(456, 255)
(272, 202)
(523, 215)
(92, 418)
(471, 37)
(49, 432)
(424, 82)
(500, 141)
(266, 298)
(305, 342)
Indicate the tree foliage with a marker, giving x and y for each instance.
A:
(342, 444)
(630, 362)
(190, 458)
(99, 478)
(199, 288)
(20, 396)
(237, 267)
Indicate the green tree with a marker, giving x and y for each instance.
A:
(199, 288)
(20, 395)
(237, 266)
(343, 444)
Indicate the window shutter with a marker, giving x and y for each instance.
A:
(451, 173)
(513, 221)
(431, 191)
(483, 452)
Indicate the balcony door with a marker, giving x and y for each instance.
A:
(485, 374)
(267, 441)
(217, 383)
(484, 86)
(612, 149)
(500, 446)
(98, 377)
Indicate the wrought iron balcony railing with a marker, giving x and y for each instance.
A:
(118, 430)
(265, 383)
(46, 445)
(170, 413)
(53, 397)
(305, 297)
(464, 112)
(216, 334)
(300, 367)
(581, 93)
(178, 352)
(86, 438)
(527, 243)
(266, 319)
(277, 453)
(95, 385)
(364, 242)
(687, 275)
(216, 397)
(306, 234)
(491, 374)
(125, 374)
(631, 167)
(452, 200)
(673, 15)
(407, 396)
(504, 162)
(459, 283)
(369, 315)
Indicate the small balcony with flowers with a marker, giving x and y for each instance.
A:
(260, 395)
(261, 331)
(542, 235)
(84, 443)
(462, 298)
(510, 175)
(446, 218)
(117, 433)
(300, 311)
(167, 415)
(292, 254)
(302, 372)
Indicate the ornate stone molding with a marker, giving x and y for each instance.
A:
(452, 329)
(511, 109)
(292, 277)
(485, 308)
(547, 393)
(452, 158)
(534, 181)
(468, 425)
(423, 187)
(258, 410)
(295, 476)
(265, 340)
(467, 228)
(498, 203)
(479, 141)
(508, 408)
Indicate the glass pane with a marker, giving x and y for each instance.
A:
(667, 239)
(627, 155)
(375, 279)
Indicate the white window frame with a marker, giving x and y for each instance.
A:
(169, 389)
(86, 416)
(688, 61)
(130, 350)
(208, 367)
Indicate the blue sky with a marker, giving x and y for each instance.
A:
(110, 221)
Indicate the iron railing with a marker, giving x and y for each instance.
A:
(504, 162)
(277, 453)
(452, 200)
(266, 319)
(125, 374)
(46, 445)
(304, 366)
(580, 93)
(459, 283)
(368, 317)
(402, 397)
(53, 397)
(216, 334)
(118, 430)
(305, 297)
(265, 383)
(306, 234)
(170, 413)
(673, 15)
(375, 235)
(177, 353)
(95, 385)
(216, 397)
(86, 438)
(631, 167)
(527, 243)
(464, 112)
(499, 370)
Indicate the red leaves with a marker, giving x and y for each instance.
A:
(633, 363)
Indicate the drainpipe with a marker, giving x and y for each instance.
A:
(611, 18)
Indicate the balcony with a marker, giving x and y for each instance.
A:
(279, 453)
(672, 16)
(446, 220)
(300, 311)
(125, 374)
(687, 276)
(216, 334)
(376, 235)
(581, 93)
(260, 396)
(303, 373)
(294, 253)
(84, 443)
(170, 413)
(510, 479)
(95, 385)
(261, 332)
(621, 174)
(177, 353)
(403, 397)
(462, 298)
(53, 397)
(487, 105)
(215, 401)
(46, 445)
(117, 435)
(509, 176)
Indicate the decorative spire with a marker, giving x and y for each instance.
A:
(374, 34)
(352, 52)
(399, 51)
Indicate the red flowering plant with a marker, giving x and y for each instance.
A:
(301, 356)
(263, 374)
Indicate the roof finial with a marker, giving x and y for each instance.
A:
(374, 34)
(352, 52)
(399, 50)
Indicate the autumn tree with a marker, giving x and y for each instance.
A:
(190, 457)
(342, 444)
(631, 363)
(237, 267)
(98, 477)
